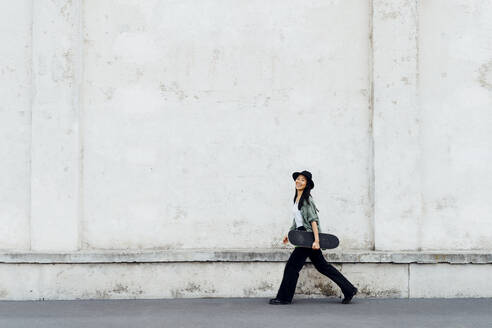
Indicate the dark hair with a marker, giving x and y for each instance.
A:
(305, 196)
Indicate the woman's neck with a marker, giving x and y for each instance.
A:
(298, 196)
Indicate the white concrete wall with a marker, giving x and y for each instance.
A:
(171, 280)
(153, 117)
(432, 115)
(256, 279)
(15, 124)
(196, 113)
(177, 125)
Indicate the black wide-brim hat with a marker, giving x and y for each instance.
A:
(308, 176)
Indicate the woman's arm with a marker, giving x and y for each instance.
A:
(316, 236)
(315, 230)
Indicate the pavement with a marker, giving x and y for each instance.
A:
(249, 312)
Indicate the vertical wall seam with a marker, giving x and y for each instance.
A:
(80, 220)
(408, 280)
(419, 111)
(372, 172)
(29, 165)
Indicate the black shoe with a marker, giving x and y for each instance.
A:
(279, 301)
(348, 297)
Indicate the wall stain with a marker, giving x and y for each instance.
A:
(174, 89)
(392, 292)
(65, 10)
(118, 289)
(180, 214)
(193, 289)
(390, 15)
(445, 202)
(485, 75)
(3, 293)
(326, 289)
(108, 92)
(264, 286)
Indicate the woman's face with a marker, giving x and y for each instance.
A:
(301, 182)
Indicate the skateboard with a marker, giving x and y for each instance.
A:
(306, 239)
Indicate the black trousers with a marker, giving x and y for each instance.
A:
(295, 264)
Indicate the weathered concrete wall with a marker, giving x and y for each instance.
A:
(143, 124)
(171, 280)
(197, 112)
(160, 125)
(175, 274)
(432, 136)
(15, 124)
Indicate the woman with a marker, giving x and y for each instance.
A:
(305, 218)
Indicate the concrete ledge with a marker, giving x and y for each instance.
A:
(242, 255)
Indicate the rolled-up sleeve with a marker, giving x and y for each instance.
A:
(311, 214)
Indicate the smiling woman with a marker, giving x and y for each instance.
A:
(306, 218)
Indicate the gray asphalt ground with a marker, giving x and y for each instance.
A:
(248, 312)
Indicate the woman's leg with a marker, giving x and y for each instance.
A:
(331, 272)
(291, 273)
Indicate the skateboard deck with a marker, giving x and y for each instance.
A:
(306, 238)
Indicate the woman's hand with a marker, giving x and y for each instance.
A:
(315, 244)
(285, 240)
